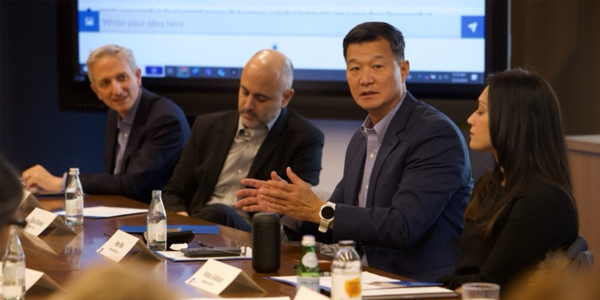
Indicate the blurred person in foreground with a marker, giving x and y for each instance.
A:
(11, 194)
(523, 208)
(115, 283)
(145, 132)
(558, 277)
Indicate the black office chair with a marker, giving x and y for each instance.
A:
(578, 252)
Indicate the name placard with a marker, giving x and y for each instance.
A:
(118, 245)
(39, 220)
(306, 293)
(216, 277)
(33, 277)
(121, 243)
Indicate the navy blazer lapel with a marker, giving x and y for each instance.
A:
(269, 144)
(141, 116)
(390, 141)
(111, 140)
(356, 170)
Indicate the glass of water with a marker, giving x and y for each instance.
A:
(480, 291)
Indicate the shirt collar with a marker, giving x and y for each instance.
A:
(381, 127)
(131, 115)
(269, 125)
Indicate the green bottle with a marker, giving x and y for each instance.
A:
(308, 268)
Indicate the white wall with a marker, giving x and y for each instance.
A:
(337, 136)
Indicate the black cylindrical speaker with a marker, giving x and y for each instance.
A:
(266, 251)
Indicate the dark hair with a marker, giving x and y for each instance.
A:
(526, 130)
(11, 192)
(372, 31)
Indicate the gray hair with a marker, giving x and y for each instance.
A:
(111, 50)
(287, 74)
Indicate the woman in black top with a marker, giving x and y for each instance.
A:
(524, 207)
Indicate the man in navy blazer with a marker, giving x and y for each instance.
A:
(145, 132)
(406, 179)
(262, 136)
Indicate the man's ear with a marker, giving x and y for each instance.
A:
(404, 69)
(287, 96)
(138, 76)
(95, 90)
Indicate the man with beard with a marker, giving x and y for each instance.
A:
(225, 147)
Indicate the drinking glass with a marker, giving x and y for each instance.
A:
(480, 291)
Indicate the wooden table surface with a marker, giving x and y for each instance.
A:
(63, 257)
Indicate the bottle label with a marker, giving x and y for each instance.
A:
(157, 232)
(310, 260)
(74, 206)
(345, 287)
(312, 283)
(16, 287)
(21, 275)
(13, 291)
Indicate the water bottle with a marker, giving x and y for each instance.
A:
(74, 198)
(346, 273)
(13, 268)
(308, 268)
(156, 222)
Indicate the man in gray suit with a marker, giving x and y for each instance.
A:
(264, 135)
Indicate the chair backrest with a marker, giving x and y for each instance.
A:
(580, 255)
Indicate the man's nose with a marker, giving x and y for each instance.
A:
(366, 77)
(249, 104)
(117, 88)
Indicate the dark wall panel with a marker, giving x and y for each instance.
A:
(560, 40)
(32, 129)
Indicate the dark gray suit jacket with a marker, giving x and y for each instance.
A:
(418, 191)
(158, 135)
(292, 141)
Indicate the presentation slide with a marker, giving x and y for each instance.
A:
(214, 38)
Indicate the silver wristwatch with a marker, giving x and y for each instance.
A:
(327, 213)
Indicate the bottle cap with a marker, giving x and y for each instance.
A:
(308, 240)
(156, 193)
(347, 243)
(74, 171)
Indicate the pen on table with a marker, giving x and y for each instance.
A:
(168, 230)
(204, 244)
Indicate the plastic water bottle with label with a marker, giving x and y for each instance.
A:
(308, 268)
(73, 198)
(13, 268)
(156, 239)
(346, 272)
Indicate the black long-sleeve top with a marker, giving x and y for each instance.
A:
(541, 218)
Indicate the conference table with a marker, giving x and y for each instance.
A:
(64, 257)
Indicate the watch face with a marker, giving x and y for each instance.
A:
(327, 212)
